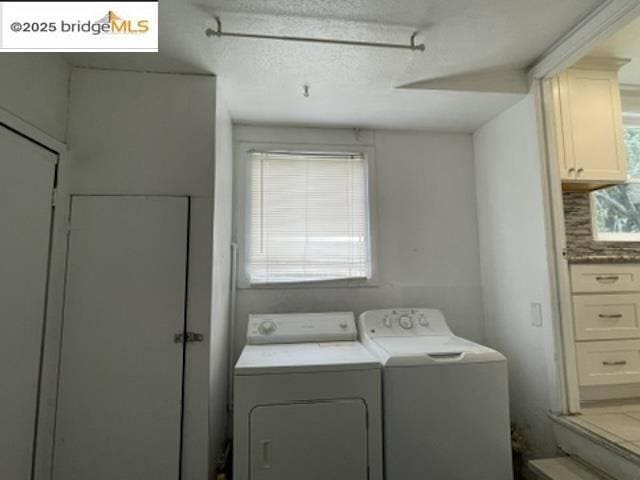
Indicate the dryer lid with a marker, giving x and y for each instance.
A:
(304, 357)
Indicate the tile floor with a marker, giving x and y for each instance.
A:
(618, 422)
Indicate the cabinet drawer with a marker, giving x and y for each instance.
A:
(605, 278)
(608, 363)
(606, 317)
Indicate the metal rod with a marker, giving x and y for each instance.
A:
(210, 32)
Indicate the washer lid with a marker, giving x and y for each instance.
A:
(432, 350)
(304, 357)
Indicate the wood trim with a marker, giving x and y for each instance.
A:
(32, 132)
(605, 20)
(560, 284)
(611, 64)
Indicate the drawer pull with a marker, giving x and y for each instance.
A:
(615, 364)
(610, 315)
(608, 278)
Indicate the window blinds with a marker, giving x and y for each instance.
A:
(309, 218)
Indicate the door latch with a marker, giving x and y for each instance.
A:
(186, 337)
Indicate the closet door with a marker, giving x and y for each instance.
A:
(120, 391)
(27, 173)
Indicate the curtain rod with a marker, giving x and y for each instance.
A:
(411, 46)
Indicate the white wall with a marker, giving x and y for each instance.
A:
(141, 133)
(221, 283)
(34, 87)
(514, 264)
(426, 229)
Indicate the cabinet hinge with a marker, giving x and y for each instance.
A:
(188, 337)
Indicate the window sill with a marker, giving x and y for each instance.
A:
(618, 238)
(354, 283)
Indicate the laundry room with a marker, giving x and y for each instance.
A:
(305, 240)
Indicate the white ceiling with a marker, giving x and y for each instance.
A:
(262, 80)
(624, 44)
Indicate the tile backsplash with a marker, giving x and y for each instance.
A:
(580, 241)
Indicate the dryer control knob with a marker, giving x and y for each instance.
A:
(267, 327)
(405, 322)
(387, 321)
(423, 321)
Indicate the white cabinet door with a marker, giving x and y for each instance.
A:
(592, 126)
(120, 394)
(310, 441)
(566, 163)
(26, 185)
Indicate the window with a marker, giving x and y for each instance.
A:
(307, 217)
(617, 209)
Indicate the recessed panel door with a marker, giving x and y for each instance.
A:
(592, 119)
(26, 185)
(120, 394)
(310, 441)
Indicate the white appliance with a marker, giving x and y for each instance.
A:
(307, 401)
(446, 407)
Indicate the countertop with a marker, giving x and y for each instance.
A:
(595, 259)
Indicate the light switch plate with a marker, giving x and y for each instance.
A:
(536, 314)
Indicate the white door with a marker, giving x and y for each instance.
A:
(310, 441)
(27, 173)
(120, 391)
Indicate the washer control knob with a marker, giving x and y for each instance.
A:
(267, 327)
(387, 321)
(423, 321)
(405, 322)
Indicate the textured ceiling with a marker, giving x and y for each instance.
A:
(262, 80)
(403, 12)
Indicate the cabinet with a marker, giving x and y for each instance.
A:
(587, 120)
(606, 315)
(608, 363)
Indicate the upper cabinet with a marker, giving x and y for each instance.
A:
(587, 119)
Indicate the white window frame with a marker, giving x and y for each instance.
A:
(243, 219)
(630, 121)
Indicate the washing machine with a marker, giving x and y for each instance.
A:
(307, 401)
(446, 407)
